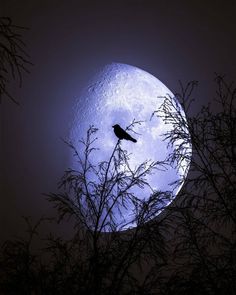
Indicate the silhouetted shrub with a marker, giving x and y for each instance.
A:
(188, 248)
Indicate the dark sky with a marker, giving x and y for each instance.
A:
(68, 41)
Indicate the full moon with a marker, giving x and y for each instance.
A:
(118, 94)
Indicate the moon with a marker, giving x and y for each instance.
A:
(118, 94)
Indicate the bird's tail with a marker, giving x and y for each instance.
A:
(132, 139)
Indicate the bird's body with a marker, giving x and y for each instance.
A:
(122, 134)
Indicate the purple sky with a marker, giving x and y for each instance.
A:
(68, 41)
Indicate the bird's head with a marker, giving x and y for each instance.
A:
(115, 126)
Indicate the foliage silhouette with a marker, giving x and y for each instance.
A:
(188, 248)
(14, 60)
(204, 213)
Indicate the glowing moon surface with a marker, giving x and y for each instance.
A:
(118, 94)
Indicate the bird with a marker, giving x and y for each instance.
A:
(122, 134)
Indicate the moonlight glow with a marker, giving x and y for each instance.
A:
(119, 94)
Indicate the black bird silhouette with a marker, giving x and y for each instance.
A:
(122, 134)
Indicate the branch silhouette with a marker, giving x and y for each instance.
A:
(188, 248)
(14, 60)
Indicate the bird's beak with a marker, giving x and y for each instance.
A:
(113, 126)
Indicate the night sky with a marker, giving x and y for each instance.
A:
(68, 42)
